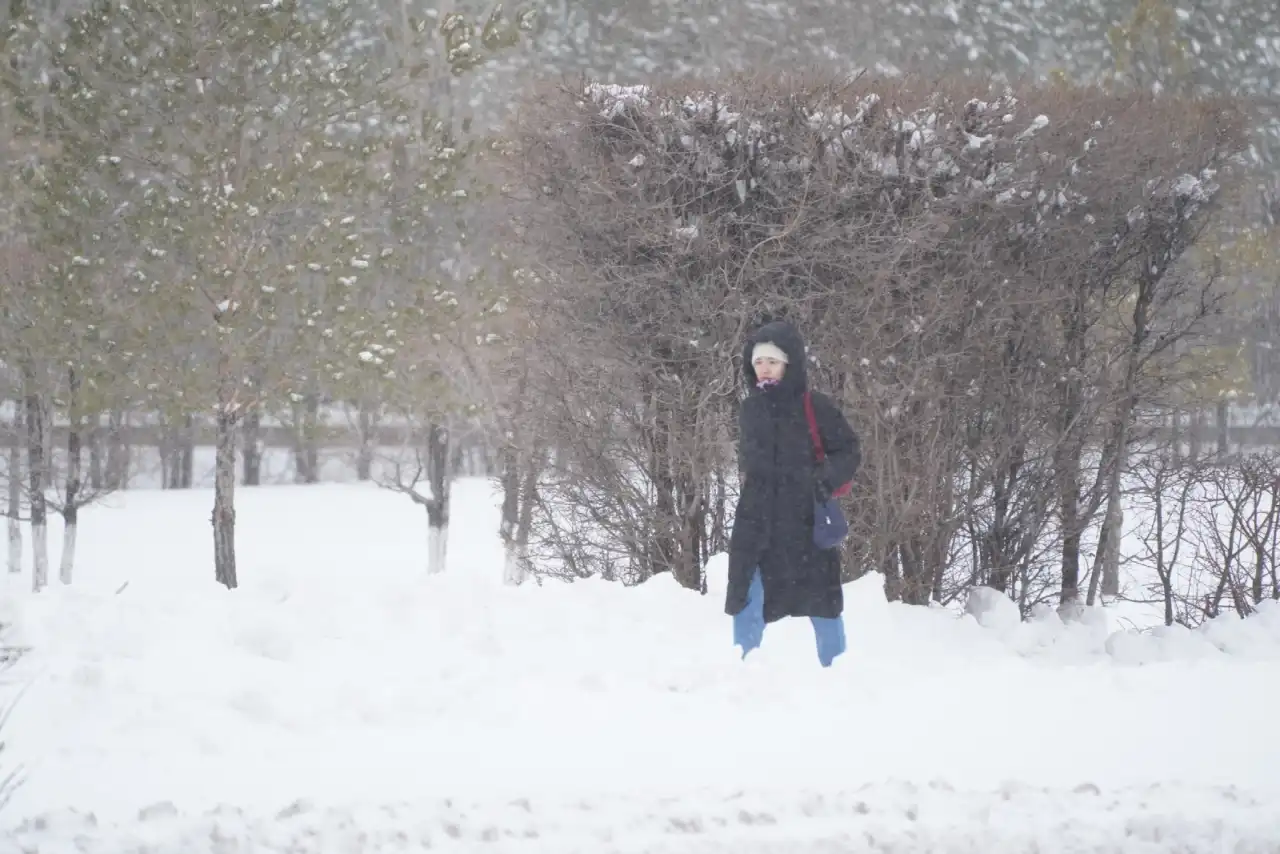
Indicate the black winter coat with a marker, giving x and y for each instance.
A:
(773, 522)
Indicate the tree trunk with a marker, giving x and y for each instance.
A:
(1069, 453)
(94, 437)
(999, 542)
(1106, 562)
(1258, 589)
(1069, 511)
(1163, 571)
(438, 507)
(1273, 546)
(364, 456)
(169, 453)
(691, 518)
(1106, 559)
(890, 561)
(938, 536)
(1111, 569)
(1196, 434)
(678, 523)
(15, 491)
(252, 427)
(306, 454)
(916, 581)
(224, 478)
(224, 513)
(166, 453)
(35, 470)
(665, 549)
(718, 541)
(71, 501)
(177, 452)
(528, 495)
(117, 474)
(1222, 421)
(510, 479)
(1262, 538)
(187, 453)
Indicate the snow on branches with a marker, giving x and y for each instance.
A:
(1044, 153)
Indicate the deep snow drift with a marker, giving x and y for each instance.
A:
(341, 691)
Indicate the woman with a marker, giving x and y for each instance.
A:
(775, 570)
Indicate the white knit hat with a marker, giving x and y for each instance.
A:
(768, 350)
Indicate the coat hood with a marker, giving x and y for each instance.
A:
(786, 337)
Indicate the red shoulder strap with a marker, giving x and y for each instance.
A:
(845, 488)
(813, 428)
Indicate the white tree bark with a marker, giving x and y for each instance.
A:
(35, 471)
(39, 556)
(68, 562)
(513, 571)
(437, 549)
(72, 499)
(441, 482)
(224, 478)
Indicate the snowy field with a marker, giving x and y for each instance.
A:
(342, 701)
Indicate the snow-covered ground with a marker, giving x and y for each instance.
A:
(341, 700)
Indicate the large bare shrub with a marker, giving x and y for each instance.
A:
(951, 252)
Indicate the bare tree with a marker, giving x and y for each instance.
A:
(438, 288)
(524, 457)
(499, 380)
(427, 463)
(25, 309)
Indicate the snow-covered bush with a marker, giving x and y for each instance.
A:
(940, 243)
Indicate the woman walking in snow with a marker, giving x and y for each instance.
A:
(775, 568)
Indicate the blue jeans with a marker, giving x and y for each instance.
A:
(748, 626)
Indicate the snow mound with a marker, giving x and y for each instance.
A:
(1256, 637)
(992, 609)
(990, 625)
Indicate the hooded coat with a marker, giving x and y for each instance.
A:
(780, 478)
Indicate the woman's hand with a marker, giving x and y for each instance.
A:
(822, 487)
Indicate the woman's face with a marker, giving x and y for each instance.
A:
(769, 368)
